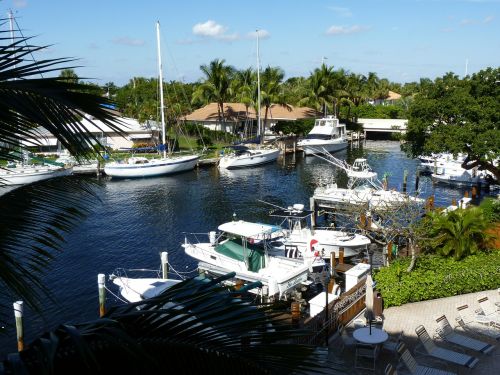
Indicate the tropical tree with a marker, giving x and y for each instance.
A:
(216, 87)
(271, 91)
(195, 325)
(243, 87)
(458, 233)
(320, 89)
(458, 116)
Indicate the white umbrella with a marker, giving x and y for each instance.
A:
(369, 301)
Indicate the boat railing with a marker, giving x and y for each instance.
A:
(348, 230)
(134, 272)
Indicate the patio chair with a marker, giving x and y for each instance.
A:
(366, 353)
(341, 339)
(489, 310)
(468, 316)
(478, 329)
(392, 345)
(431, 349)
(414, 367)
(390, 370)
(446, 332)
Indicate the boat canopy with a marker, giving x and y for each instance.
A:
(253, 256)
(247, 229)
(291, 213)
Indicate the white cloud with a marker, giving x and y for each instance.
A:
(341, 11)
(211, 29)
(126, 41)
(263, 34)
(343, 30)
(488, 19)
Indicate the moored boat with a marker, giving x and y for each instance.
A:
(327, 135)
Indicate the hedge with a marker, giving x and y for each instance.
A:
(437, 277)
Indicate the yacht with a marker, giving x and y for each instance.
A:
(244, 157)
(243, 247)
(299, 238)
(327, 135)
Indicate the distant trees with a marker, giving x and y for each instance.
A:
(458, 116)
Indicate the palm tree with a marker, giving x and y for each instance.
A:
(243, 87)
(458, 233)
(271, 91)
(195, 325)
(216, 87)
(320, 89)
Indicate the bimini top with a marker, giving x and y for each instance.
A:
(247, 229)
(296, 212)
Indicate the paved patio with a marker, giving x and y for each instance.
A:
(406, 318)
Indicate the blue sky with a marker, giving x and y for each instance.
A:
(402, 40)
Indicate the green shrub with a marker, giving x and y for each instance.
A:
(437, 277)
(491, 209)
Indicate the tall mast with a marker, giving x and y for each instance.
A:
(161, 89)
(260, 131)
(12, 36)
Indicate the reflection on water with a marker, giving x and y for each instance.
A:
(137, 219)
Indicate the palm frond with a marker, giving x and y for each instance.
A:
(194, 326)
(33, 219)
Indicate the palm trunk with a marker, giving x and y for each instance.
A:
(413, 256)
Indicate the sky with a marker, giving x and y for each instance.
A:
(401, 40)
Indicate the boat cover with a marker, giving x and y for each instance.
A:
(253, 256)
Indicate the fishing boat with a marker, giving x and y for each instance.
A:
(143, 167)
(299, 238)
(327, 135)
(243, 247)
(363, 188)
(454, 174)
(244, 156)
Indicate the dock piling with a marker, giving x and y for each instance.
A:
(18, 314)
(417, 179)
(101, 281)
(164, 265)
(312, 204)
(332, 264)
(405, 180)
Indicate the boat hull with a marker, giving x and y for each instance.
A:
(29, 175)
(459, 180)
(157, 167)
(311, 147)
(252, 159)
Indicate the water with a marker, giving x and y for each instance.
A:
(137, 219)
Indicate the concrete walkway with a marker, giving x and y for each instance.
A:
(407, 317)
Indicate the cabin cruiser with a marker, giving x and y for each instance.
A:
(243, 247)
(327, 135)
(244, 157)
(363, 188)
(299, 238)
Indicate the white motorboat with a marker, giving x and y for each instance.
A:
(327, 135)
(454, 174)
(139, 166)
(244, 157)
(21, 174)
(363, 188)
(242, 247)
(143, 167)
(300, 238)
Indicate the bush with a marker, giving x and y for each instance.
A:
(491, 209)
(437, 277)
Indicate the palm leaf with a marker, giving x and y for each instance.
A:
(33, 219)
(180, 334)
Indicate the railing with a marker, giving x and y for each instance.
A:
(340, 312)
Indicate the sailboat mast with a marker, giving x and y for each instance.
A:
(259, 130)
(160, 78)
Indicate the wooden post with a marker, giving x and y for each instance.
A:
(333, 262)
(474, 192)
(18, 314)
(164, 265)
(341, 255)
(466, 194)
(405, 180)
(417, 180)
(362, 219)
(312, 204)
(368, 222)
(454, 202)
(98, 171)
(101, 280)
(389, 251)
(331, 285)
(295, 308)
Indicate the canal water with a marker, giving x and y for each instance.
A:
(138, 219)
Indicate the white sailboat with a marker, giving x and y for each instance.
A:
(327, 135)
(20, 174)
(143, 167)
(242, 247)
(250, 157)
